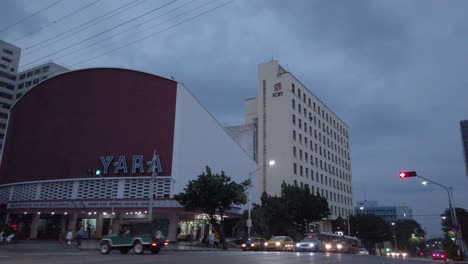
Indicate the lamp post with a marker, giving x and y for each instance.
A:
(394, 235)
(451, 208)
(249, 220)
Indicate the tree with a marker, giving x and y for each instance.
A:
(449, 229)
(213, 194)
(409, 235)
(288, 214)
(370, 229)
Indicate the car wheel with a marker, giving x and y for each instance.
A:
(105, 248)
(155, 250)
(138, 248)
(124, 250)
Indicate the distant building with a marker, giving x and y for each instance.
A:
(388, 213)
(9, 60)
(464, 135)
(307, 140)
(30, 77)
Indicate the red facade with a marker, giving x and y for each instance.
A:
(62, 127)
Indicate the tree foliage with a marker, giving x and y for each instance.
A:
(409, 235)
(213, 194)
(448, 228)
(370, 229)
(288, 214)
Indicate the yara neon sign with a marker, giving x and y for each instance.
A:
(138, 164)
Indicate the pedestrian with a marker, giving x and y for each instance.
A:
(89, 231)
(211, 239)
(69, 237)
(79, 236)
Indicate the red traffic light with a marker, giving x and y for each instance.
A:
(406, 174)
(14, 226)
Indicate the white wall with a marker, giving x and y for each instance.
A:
(250, 110)
(199, 140)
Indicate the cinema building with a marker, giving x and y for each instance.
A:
(146, 135)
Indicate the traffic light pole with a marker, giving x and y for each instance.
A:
(452, 213)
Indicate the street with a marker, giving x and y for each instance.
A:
(71, 256)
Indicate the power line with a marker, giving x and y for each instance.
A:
(152, 19)
(26, 18)
(156, 33)
(56, 21)
(119, 25)
(100, 18)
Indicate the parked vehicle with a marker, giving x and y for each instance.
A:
(280, 243)
(136, 235)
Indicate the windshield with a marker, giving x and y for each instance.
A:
(278, 238)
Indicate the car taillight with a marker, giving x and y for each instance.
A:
(443, 256)
(166, 243)
(433, 255)
(154, 244)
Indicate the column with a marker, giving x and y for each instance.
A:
(173, 223)
(72, 223)
(34, 225)
(99, 222)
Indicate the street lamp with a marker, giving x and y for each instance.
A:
(249, 220)
(451, 208)
(394, 236)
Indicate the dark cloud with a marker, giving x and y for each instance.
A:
(394, 71)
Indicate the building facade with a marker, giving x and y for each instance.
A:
(388, 213)
(307, 140)
(9, 60)
(147, 135)
(464, 136)
(28, 78)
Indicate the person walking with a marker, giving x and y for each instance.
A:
(69, 237)
(79, 237)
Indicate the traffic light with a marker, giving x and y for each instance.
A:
(406, 174)
(94, 172)
(453, 239)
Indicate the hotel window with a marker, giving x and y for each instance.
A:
(293, 88)
(294, 135)
(294, 152)
(300, 170)
(299, 93)
(300, 154)
(307, 172)
(300, 123)
(295, 168)
(293, 104)
(294, 119)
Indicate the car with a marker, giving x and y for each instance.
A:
(309, 243)
(439, 254)
(136, 235)
(363, 251)
(280, 243)
(254, 243)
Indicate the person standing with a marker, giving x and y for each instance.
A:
(69, 237)
(211, 239)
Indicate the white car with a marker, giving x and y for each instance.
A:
(363, 251)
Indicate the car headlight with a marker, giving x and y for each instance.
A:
(243, 245)
(266, 244)
(252, 245)
(278, 243)
(404, 254)
(327, 246)
(298, 245)
(339, 246)
(311, 245)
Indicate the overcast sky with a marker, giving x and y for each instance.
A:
(394, 71)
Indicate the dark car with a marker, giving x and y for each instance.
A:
(254, 243)
(308, 244)
(136, 235)
(439, 254)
